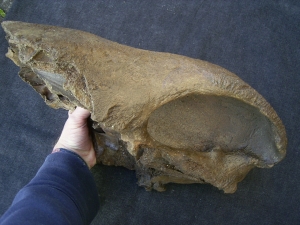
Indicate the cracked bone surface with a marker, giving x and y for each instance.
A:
(169, 117)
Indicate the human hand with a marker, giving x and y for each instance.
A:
(75, 136)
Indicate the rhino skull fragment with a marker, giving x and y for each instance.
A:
(169, 117)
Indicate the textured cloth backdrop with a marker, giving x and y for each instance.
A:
(257, 40)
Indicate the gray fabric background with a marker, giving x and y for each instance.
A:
(257, 40)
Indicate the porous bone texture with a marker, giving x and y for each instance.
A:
(169, 117)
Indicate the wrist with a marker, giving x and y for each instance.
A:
(89, 158)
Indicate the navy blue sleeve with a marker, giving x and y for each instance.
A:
(62, 192)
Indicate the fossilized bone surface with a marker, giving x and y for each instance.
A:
(169, 117)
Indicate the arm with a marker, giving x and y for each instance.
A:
(63, 190)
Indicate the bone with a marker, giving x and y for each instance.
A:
(169, 117)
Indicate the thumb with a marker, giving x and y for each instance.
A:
(79, 114)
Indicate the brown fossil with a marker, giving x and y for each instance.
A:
(169, 117)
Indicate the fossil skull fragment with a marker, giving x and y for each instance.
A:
(169, 117)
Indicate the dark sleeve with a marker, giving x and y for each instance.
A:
(62, 192)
